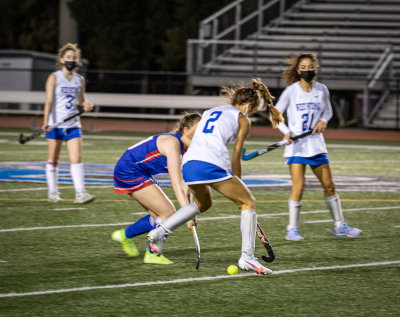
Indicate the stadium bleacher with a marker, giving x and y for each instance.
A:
(349, 36)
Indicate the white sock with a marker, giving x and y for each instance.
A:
(78, 177)
(157, 221)
(335, 207)
(248, 224)
(294, 214)
(52, 176)
(181, 216)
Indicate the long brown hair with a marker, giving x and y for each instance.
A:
(256, 94)
(186, 121)
(290, 74)
(64, 49)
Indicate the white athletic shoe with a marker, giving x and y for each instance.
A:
(346, 231)
(156, 241)
(54, 197)
(253, 264)
(84, 197)
(293, 235)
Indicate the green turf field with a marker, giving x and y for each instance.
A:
(59, 260)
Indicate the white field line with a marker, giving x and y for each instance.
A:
(98, 137)
(198, 219)
(195, 279)
(45, 188)
(2, 261)
(60, 209)
(317, 221)
(397, 226)
(66, 227)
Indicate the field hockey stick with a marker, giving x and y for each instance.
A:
(196, 242)
(266, 244)
(195, 237)
(269, 148)
(23, 139)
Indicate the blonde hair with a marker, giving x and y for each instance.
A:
(64, 49)
(290, 74)
(256, 94)
(186, 121)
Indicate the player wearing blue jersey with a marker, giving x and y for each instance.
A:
(65, 90)
(206, 165)
(134, 174)
(307, 105)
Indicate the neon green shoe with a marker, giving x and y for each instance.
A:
(156, 259)
(126, 243)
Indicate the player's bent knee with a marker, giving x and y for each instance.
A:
(204, 206)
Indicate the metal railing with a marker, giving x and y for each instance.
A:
(379, 78)
(237, 21)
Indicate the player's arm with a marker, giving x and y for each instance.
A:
(326, 115)
(244, 128)
(51, 83)
(87, 105)
(169, 146)
(188, 135)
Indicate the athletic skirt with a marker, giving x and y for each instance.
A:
(199, 172)
(318, 159)
(64, 134)
(130, 180)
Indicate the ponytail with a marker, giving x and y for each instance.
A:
(266, 102)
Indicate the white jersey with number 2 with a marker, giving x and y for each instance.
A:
(65, 101)
(304, 110)
(217, 128)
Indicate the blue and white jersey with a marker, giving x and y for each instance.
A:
(144, 157)
(217, 128)
(65, 103)
(304, 110)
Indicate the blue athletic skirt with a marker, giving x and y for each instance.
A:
(318, 159)
(64, 134)
(199, 172)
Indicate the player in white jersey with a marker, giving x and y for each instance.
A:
(206, 165)
(65, 90)
(307, 105)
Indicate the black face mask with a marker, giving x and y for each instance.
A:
(70, 65)
(307, 75)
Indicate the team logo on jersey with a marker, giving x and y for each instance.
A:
(70, 90)
(308, 106)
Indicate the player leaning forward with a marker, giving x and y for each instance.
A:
(65, 90)
(307, 105)
(206, 165)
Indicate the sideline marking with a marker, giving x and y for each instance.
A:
(195, 279)
(198, 219)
